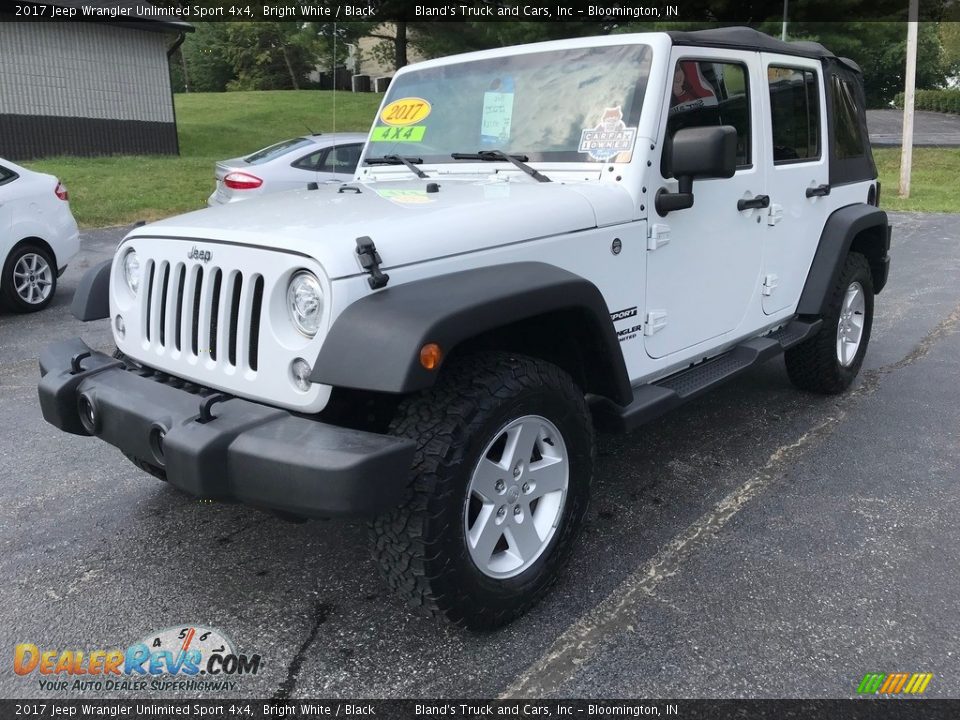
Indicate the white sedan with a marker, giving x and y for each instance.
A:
(38, 236)
(288, 165)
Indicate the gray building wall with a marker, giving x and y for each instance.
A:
(84, 89)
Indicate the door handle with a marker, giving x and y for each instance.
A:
(756, 202)
(819, 191)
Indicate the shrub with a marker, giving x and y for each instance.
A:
(945, 101)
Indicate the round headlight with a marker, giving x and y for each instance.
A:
(305, 302)
(131, 271)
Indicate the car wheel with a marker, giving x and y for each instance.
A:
(828, 362)
(501, 482)
(29, 279)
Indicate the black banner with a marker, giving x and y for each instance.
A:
(865, 709)
(600, 11)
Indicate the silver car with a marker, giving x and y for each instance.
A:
(288, 165)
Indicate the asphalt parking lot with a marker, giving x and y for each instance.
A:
(758, 542)
(930, 129)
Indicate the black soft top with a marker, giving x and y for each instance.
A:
(853, 166)
(745, 38)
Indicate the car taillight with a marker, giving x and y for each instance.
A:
(241, 181)
(61, 191)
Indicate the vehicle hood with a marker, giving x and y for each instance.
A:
(407, 223)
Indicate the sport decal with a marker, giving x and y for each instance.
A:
(609, 137)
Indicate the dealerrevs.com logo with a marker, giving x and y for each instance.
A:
(189, 657)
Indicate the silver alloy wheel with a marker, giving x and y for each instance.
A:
(850, 324)
(32, 278)
(516, 496)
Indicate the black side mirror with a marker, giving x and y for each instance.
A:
(700, 152)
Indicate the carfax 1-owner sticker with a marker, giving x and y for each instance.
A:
(609, 137)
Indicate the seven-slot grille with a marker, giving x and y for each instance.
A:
(212, 313)
(203, 311)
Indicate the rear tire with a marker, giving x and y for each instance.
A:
(29, 279)
(489, 522)
(829, 362)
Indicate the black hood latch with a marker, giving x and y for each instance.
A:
(370, 262)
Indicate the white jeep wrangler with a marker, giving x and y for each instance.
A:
(541, 240)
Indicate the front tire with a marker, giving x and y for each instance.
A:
(829, 362)
(29, 279)
(501, 482)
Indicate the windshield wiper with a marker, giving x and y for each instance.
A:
(398, 160)
(492, 155)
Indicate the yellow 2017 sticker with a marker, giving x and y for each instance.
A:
(405, 111)
(398, 134)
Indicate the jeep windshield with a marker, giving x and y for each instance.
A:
(575, 105)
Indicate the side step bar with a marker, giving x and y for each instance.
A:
(655, 399)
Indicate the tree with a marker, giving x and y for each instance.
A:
(270, 55)
(437, 39)
(204, 55)
(950, 40)
(879, 48)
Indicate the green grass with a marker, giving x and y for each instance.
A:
(119, 189)
(933, 182)
(215, 126)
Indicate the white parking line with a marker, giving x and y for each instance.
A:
(618, 613)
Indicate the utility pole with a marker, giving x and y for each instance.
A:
(909, 90)
(783, 29)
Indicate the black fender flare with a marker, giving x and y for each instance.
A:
(375, 343)
(870, 228)
(91, 301)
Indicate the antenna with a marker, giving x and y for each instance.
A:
(334, 77)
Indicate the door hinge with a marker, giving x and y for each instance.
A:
(770, 283)
(655, 320)
(774, 214)
(658, 236)
(370, 262)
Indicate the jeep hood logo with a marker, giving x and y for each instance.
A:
(195, 254)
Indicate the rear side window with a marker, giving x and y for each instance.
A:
(846, 121)
(275, 151)
(311, 161)
(795, 114)
(710, 94)
(7, 175)
(342, 159)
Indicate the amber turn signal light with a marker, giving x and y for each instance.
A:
(430, 356)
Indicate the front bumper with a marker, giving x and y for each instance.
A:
(237, 451)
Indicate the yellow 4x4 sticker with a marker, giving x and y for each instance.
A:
(405, 111)
(385, 133)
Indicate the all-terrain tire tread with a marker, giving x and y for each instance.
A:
(436, 420)
(812, 365)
